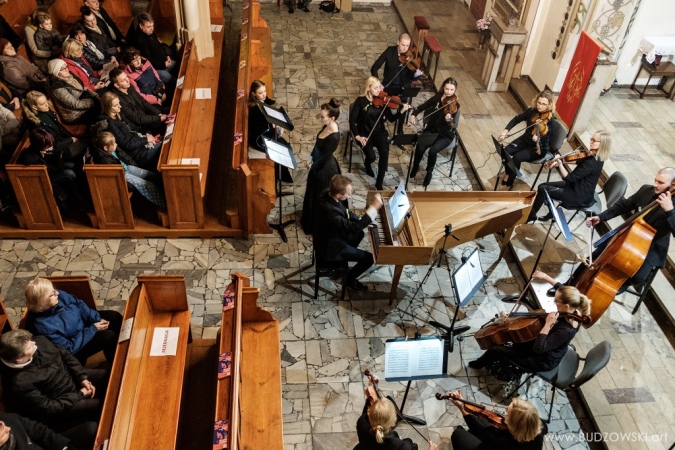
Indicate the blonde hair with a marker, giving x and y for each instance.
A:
(548, 95)
(382, 417)
(369, 82)
(70, 46)
(669, 171)
(104, 139)
(569, 295)
(37, 294)
(523, 420)
(107, 102)
(605, 145)
(32, 98)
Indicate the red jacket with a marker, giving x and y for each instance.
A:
(76, 70)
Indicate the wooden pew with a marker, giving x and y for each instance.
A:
(65, 13)
(15, 13)
(109, 193)
(141, 385)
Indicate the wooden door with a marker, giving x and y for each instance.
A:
(477, 8)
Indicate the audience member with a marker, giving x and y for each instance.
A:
(94, 33)
(106, 151)
(146, 117)
(143, 77)
(9, 128)
(67, 321)
(19, 433)
(78, 66)
(39, 55)
(90, 52)
(9, 97)
(155, 51)
(17, 71)
(105, 22)
(73, 100)
(45, 382)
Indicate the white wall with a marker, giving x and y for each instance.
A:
(654, 18)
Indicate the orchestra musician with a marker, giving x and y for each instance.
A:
(525, 430)
(258, 126)
(443, 120)
(375, 427)
(577, 187)
(662, 219)
(338, 231)
(394, 73)
(524, 148)
(547, 350)
(366, 123)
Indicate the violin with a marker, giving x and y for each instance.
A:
(518, 327)
(574, 156)
(412, 61)
(450, 104)
(493, 418)
(541, 127)
(392, 101)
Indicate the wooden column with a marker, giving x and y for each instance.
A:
(503, 48)
(197, 25)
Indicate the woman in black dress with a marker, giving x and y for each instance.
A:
(322, 164)
(523, 149)
(259, 127)
(366, 122)
(525, 430)
(440, 121)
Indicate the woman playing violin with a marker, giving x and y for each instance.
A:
(525, 430)
(443, 119)
(547, 350)
(524, 148)
(577, 187)
(375, 426)
(366, 121)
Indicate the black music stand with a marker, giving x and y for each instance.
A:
(507, 161)
(559, 219)
(281, 154)
(278, 117)
(415, 140)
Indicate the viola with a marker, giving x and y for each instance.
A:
(493, 418)
(411, 58)
(391, 101)
(541, 128)
(517, 327)
(450, 104)
(578, 155)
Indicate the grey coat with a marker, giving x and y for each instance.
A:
(21, 73)
(71, 103)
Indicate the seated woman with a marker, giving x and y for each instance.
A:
(322, 164)
(61, 175)
(143, 148)
(105, 151)
(547, 350)
(577, 187)
(18, 72)
(9, 97)
(67, 321)
(43, 44)
(79, 67)
(258, 126)
(92, 54)
(37, 114)
(96, 35)
(525, 430)
(375, 427)
(440, 121)
(9, 128)
(366, 122)
(75, 103)
(144, 77)
(523, 149)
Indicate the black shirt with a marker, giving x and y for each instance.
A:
(391, 66)
(527, 118)
(364, 116)
(437, 122)
(580, 183)
(493, 438)
(367, 439)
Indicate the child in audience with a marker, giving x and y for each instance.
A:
(46, 37)
(105, 151)
(39, 54)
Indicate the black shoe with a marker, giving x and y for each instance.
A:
(357, 286)
(545, 218)
(291, 10)
(427, 179)
(414, 170)
(476, 364)
(378, 187)
(369, 170)
(305, 9)
(551, 292)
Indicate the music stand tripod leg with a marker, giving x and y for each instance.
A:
(410, 163)
(411, 419)
(280, 227)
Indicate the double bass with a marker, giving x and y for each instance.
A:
(623, 256)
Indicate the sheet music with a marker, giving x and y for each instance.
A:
(202, 93)
(468, 276)
(275, 114)
(414, 358)
(279, 153)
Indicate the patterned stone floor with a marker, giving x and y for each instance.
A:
(327, 343)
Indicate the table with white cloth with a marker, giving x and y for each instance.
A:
(650, 46)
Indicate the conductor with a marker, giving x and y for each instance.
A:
(339, 231)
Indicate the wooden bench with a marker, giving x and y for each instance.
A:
(65, 13)
(109, 193)
(141, 385)
(15, 13)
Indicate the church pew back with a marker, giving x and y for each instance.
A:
(15, 13)
(109, 193)
(65, 13)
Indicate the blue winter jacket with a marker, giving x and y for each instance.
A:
(69, 324)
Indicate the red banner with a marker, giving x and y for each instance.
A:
(577, 78)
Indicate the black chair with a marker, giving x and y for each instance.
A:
(324, 268)
(641, 290)
(557, 134)
(614, 189)
(350, 141)
(565, 376)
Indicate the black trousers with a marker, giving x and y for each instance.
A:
(82, 436)
(441, 143)
(86, 410)
(381, 141)
(464, 440)
(521, 150)
(555, 191)
(363, 259)
(105, 340)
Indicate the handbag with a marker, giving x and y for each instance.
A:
(329, 6)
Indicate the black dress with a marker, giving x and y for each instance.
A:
(258, 127)
(367, 439)
(483, 436)
(324, 166)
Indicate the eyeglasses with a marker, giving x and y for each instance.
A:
(594, 140)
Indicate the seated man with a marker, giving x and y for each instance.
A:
(46, 383)
(155, 51)
(137, 110)
(339, 231)
(17, 432)
(105, 22)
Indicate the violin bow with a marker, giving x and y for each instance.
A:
(398, 413)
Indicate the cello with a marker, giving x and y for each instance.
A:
(626, 251)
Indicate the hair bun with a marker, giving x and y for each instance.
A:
(335, 103)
